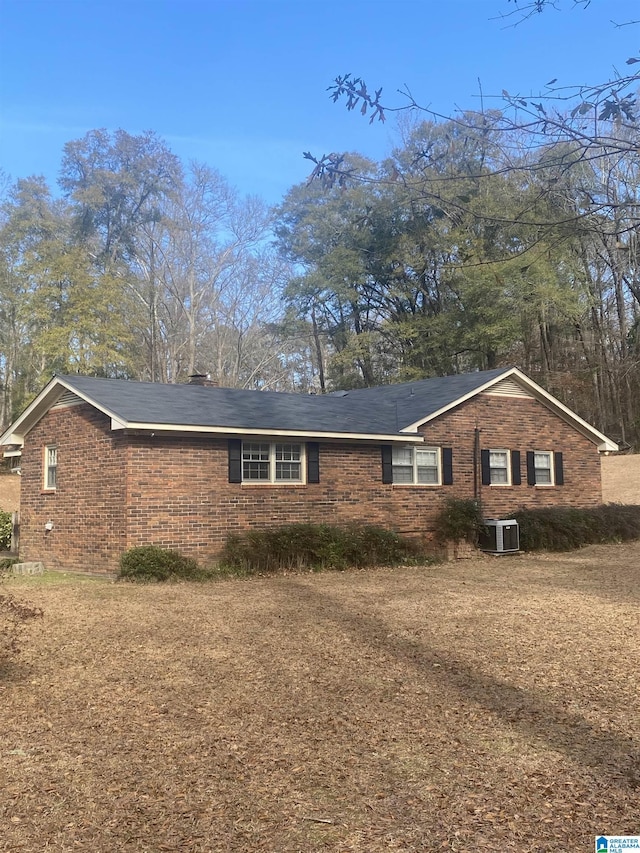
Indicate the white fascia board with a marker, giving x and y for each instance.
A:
(601, 441)
(38, 408)
(413, 427)
(230, 430)
(35, 410)
(11, 438)
(50, 394)
(70, 387)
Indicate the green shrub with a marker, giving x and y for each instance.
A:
(566, 528)
(314, 546)
(6, 526)
(149, 562)
(459, 519)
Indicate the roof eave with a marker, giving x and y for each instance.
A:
(16, 432)
(284, 433)
(459, 400)
(51, 393)
(38, 408)
(602, 442)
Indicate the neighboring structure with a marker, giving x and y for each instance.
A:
(110, 464)
(621, 479)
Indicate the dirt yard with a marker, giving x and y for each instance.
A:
(489, 704)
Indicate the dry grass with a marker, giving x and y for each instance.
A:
(485, 705)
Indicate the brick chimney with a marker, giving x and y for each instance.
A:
(202, 379)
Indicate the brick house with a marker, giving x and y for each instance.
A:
(110, 464)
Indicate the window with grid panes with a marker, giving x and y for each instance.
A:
(499, 467)
(542, 461)
(271, 462)
(50, 467)
(415, 465)
(255, 461)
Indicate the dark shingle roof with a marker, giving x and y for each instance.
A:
(383, 410)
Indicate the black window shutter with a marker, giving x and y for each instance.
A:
(313, 462)
(559, 469)
(387, 464)
(531, 468)
(235, 460)
(486, 468)
(447, 466)
(516, 478)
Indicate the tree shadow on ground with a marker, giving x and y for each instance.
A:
(524, 710)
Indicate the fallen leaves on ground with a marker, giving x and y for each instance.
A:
(485, 704)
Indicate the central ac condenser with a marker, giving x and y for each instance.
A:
(500, 537)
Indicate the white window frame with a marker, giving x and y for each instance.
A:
(271, 450)
(550, 468)
(412, 457)
(506, 467)
(50, 467)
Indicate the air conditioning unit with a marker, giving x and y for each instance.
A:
(500, 537)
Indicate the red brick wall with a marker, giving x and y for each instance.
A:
(518, 424)
(174, 491)
(87, 508)
(182, 496)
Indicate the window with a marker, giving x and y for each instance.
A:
(542, 462)
(545, 468)
(50, 466)
(271, 462)
(255, 462)
(499, 467)
(416, 465)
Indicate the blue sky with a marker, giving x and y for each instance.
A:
(241, 84)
